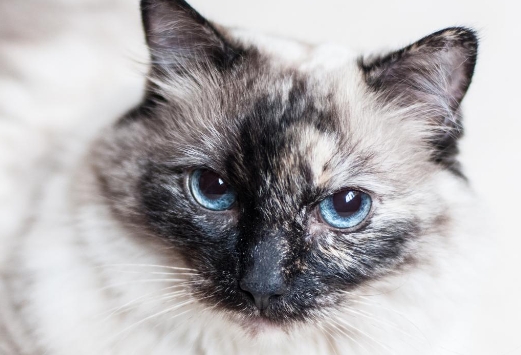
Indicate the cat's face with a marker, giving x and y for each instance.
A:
(287, 181)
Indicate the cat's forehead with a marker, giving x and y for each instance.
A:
(294, 115)
(289, 130)
(302, 116)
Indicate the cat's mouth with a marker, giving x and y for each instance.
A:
(274, 312)
(279, 314)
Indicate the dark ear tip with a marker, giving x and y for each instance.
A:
(147, 4)
(458, 31)
(458, 37)
(463, 36)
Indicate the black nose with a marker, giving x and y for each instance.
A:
(262, 288)
(262, 271)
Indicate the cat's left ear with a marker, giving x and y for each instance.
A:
(180, 39)
(434, 72)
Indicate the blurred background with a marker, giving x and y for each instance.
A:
(69, 65)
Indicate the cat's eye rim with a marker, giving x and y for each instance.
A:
(364, 219)
(224, 204)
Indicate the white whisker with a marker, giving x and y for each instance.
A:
(365, 334)
(148, 265)
(130, 327)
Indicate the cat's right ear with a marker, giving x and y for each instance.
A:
(435, 73)
(179, 38)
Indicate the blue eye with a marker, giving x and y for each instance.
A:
(346, 208)
(211, 191)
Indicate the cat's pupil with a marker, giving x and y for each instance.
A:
(212, 186)
(347, 202)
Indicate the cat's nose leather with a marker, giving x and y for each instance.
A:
(262, 275)
(262, 288)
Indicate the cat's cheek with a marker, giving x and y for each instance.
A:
(319, 233)
(323, 235)
(321, 238)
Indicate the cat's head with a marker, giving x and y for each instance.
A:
(287, 175)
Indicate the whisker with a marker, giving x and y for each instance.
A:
(183, 273)
(130, 327)
(329, 335)
(366, 335)
(337, 327)
(147, 265)
(390, 324)
(375, 304)
(129, 305)
(146, 281)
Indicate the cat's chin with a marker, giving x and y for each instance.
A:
(267, 326)
(261, 326)
(272, 321)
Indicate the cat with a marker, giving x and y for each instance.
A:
(266, 197)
